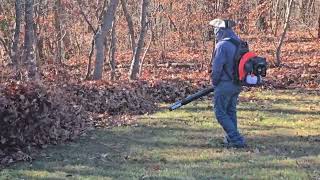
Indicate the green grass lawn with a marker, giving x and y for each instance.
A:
(282, 129)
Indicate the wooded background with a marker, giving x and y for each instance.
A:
(106, 36)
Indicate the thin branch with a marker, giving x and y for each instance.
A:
(308, 28)
(103, 9)
(90, 58)
(62, 37)
(86, 18)
(130, 25)
(146, 51)
(4, 45)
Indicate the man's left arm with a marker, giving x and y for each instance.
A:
(219, 59)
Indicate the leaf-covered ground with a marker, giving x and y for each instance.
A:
(282, 129)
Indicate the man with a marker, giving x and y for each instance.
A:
(226, 92)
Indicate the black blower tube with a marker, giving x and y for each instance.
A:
(191, 98)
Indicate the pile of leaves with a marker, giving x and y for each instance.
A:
(32, 115)
(112, 100)
(171, 91)
(105, 101)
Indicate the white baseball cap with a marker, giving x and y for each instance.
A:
(219, 23)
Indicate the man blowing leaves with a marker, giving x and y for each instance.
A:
(226, 92)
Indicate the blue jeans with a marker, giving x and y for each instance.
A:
(225, 107)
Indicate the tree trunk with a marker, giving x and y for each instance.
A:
(101, 36)
(303, 10)
(286, 25)
(112, 50)
(29, 32)
(225, 5)
(59, 34)
(261, 23)
(146, 51)
(86, 18)
(319, 27)
(130, 24)
(29, 56)
(16, 37)
(134, 69)
(310, 10)
(36, 29)
(270, 17)
(276, 14)
(41, 6)
(88, 75)
(94, 30)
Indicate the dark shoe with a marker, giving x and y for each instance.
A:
(227, 143)
(233, 145)
(226, 140)
(240, 146)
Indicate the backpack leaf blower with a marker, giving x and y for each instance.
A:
(191, 98)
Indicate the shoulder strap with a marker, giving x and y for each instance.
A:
(233, 41)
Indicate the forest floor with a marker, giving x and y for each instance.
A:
(282, 129)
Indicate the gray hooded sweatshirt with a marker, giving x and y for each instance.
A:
(223, 56)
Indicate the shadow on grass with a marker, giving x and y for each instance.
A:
(179, 147)
(145, 151)
(270, 110)
(280, 111)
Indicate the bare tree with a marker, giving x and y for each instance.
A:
(29, 57)
(100, 37)
(225, 5)
(36, 30)
(146, 51)
(94, 30)
(16, 37)
(134, 69)
(112, 50)
(286, 25)
(261, 20)
(59, 35)
(130, 24)
(99, 15)
(5, 29)
(319, 27)
(276, 14)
